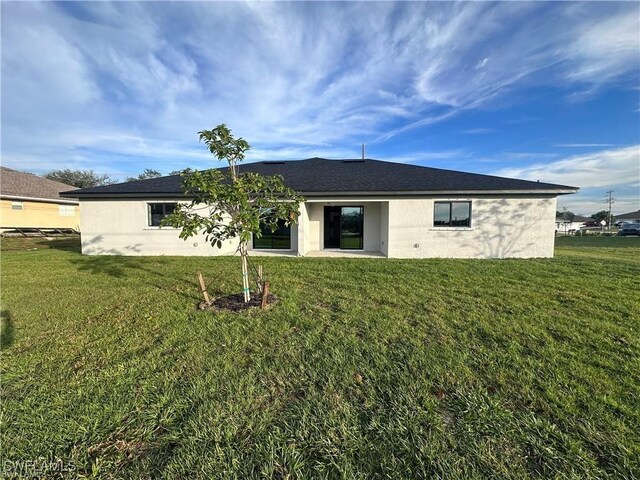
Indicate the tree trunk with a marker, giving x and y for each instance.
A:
(245, 272)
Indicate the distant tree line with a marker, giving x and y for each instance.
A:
(602, 215)
(89, 178)
(568, 216)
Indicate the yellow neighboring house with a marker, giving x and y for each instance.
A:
(31, 202)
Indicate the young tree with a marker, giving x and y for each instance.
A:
(79, 178)
(237, 205)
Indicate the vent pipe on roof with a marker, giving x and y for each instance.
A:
(363, 149)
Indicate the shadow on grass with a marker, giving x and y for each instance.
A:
(67, 244)
(6, 329)
(107, 265)
(138, 270)
(127, 262)
(71, 244)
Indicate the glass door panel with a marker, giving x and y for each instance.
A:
(332, 227)
(351, 228)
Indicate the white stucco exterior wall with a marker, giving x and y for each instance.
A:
(315, 213)
(399, 228)
(371, 234)
(302, 229)
(121, 227)
(500, 228)
(384, 228)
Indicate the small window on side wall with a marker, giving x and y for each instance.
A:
(157, 211)
(67, 210)
(17, 206)
(452, 214)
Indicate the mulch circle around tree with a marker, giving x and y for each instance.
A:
(236, 303)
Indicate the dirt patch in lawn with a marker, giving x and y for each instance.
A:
(236, 303)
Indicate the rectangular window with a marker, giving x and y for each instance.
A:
(67, 210)
(157, 211)
(17, 206)
(452, 214)
(278, 240)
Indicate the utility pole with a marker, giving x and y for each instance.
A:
(610, 200)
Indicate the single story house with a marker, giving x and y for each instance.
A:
(631, 217)
(564, 226)
(29, 202)
(352, 206)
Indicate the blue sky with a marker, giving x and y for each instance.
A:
(545, 91)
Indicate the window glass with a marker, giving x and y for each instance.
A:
(460, 214)
(452, 214)
(441, 214)
(352, 228)
(67, 210)
(157, 211)
(280, 239)
(16, 206)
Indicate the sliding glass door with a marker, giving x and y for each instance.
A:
(344, 227)
(278, 240)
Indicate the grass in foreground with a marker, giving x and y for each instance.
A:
(365, 368)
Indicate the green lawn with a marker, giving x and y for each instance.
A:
(365, 368)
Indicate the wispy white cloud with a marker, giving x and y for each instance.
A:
(585, 145)
(594, 200)
(478, 131)
(603, 50)
(296, 79)
(599, 169)
(594, 173)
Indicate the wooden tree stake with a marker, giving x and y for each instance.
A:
(203, 288)
(265, 296)
(260, 280)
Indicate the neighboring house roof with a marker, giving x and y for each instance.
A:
(628, 216)
(318, 176)
(576, 218)
(15, 184)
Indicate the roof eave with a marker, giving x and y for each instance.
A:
(121, 194)
(394, 193)
(10, 196)
(562, 191)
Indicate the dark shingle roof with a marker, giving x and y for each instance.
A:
(20, 184)
(322, 176)
(630, 215)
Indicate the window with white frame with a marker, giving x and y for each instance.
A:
(67, 210)
(452, 214)
(17, 206)
(157, 211)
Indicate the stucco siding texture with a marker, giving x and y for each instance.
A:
(316, 221)
(384, 228)
(399, 228)
(302, 230)
(38, 215)
(500, 228)
(120, 227)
